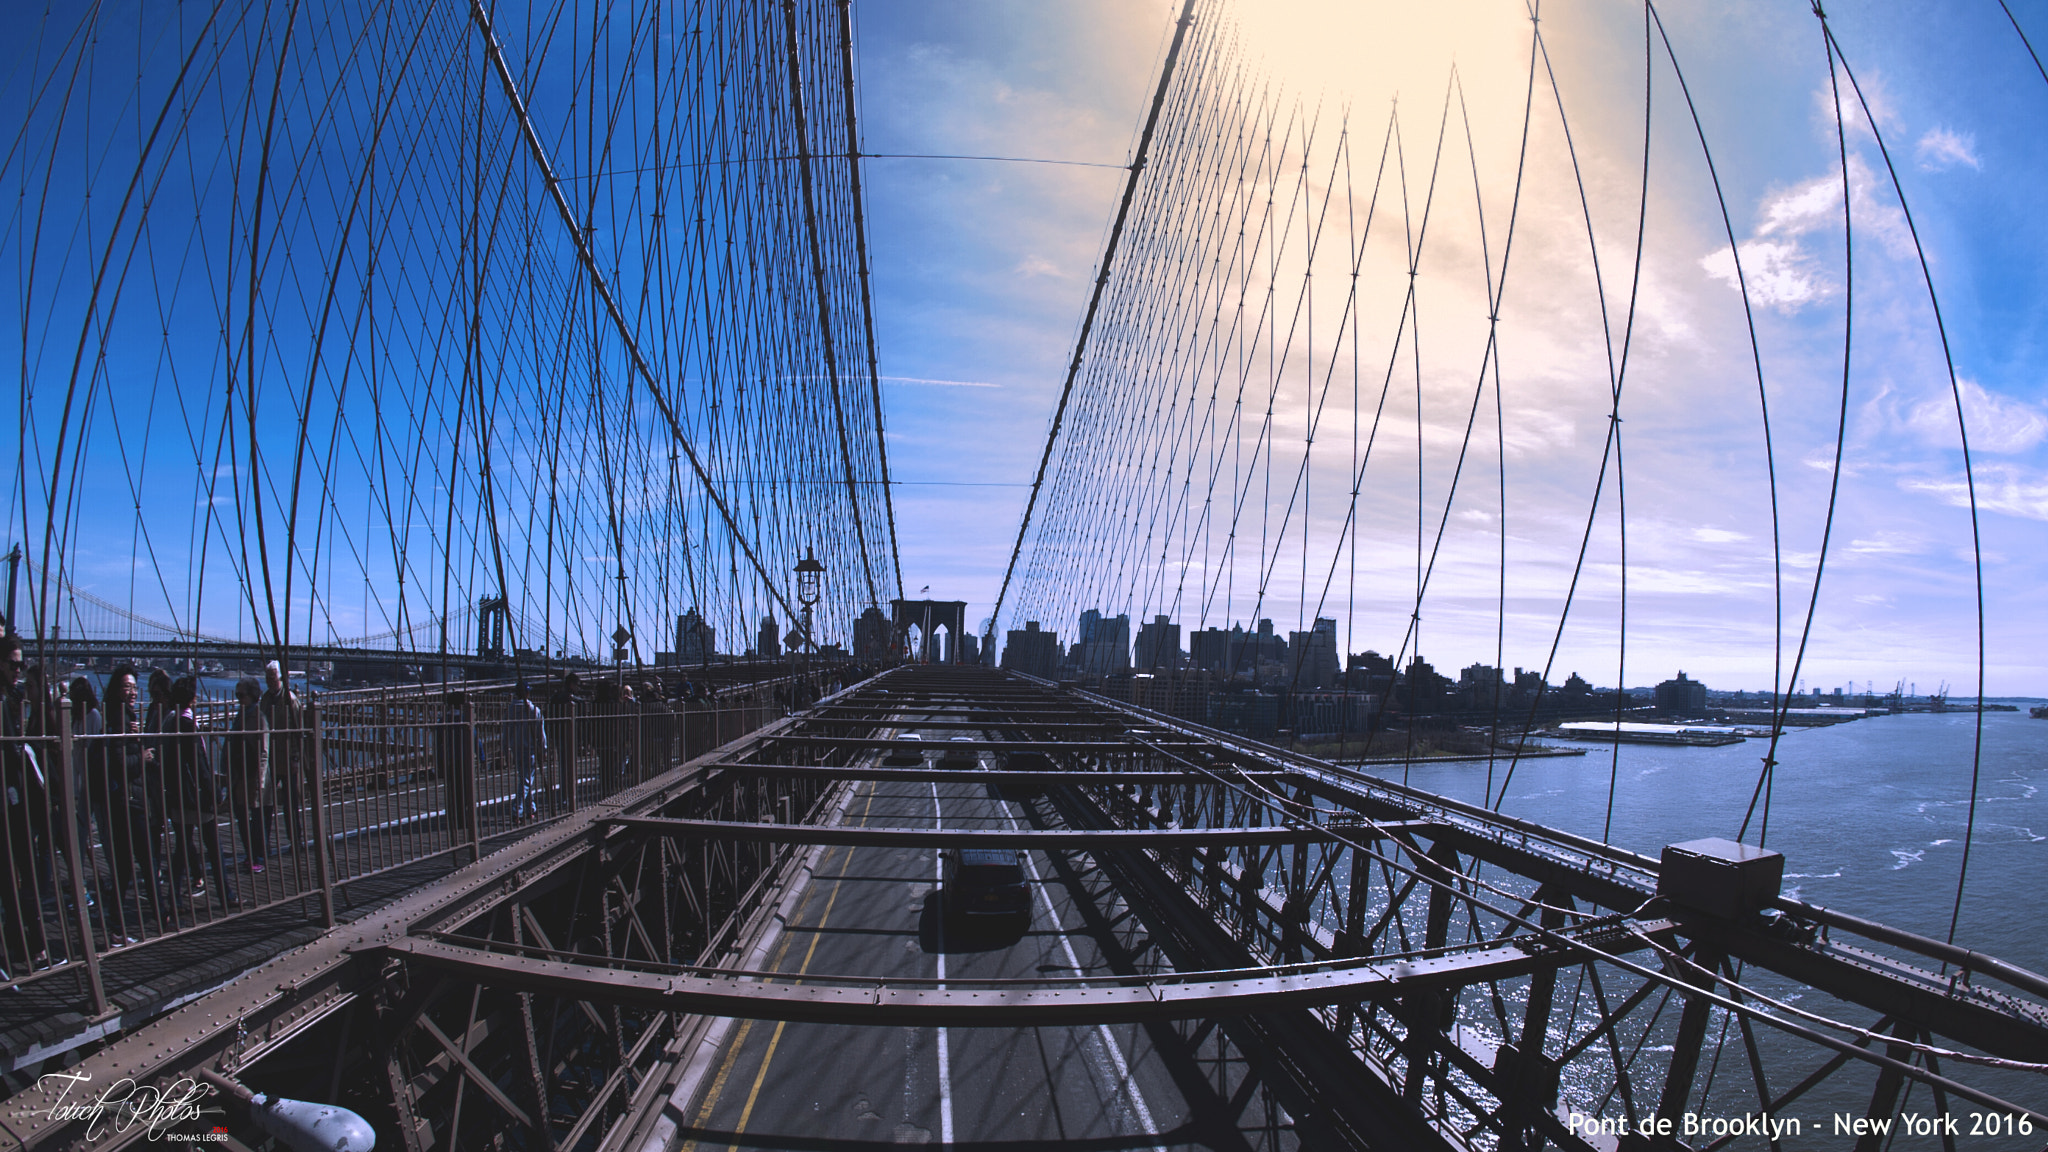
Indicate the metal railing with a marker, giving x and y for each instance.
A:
(174, 822)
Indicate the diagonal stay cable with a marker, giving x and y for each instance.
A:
(1180, 32)
(598, 284)
(815, 244)
(867, 310)
(1963, 438)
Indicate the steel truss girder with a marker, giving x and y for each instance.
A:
(854, 744)
(987, 775)
(871, 836)
(1989, 1018)
(834, 999)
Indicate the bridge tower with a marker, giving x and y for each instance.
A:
(491, 615)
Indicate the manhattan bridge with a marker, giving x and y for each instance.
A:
(507, 375)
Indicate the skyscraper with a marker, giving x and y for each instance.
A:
(1158, 646)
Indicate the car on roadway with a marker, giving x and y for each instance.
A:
(985, 882)
(907, 752)
(1025, 762)
(956, 757)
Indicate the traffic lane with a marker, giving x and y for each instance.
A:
(805, 1084)
(810, 1082)
(1095, 1083)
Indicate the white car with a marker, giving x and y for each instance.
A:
(908, 752)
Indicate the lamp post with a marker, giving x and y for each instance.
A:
(809, 574)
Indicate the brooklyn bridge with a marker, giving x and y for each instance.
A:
(464, 688)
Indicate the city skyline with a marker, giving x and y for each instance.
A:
(1896, 602)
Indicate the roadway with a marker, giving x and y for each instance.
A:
(877, 910)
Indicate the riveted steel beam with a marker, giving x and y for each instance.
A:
(826, 999)
(1086, 838)
(986, 775)
(869, 743)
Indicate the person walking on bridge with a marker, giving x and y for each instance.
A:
(456, 758)
(86, 723)
(525, 741)
(192, 797)
(566, 737)
(128, 812)
(27, 813)
(290, 761)
(248, 773)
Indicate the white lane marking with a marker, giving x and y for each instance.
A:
(1123, 1070)
(945, 1060)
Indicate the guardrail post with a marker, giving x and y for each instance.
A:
(323, 844)
(468, 768)
(569, 756)
(75, 848)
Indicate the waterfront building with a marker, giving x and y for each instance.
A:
(1313, 662)
(1682, 696)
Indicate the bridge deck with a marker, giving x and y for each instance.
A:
(879, 910)
(1227, 947)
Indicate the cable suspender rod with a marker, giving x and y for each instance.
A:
(803, 140)
(867, 309)
(604, 292)
(1123, 210)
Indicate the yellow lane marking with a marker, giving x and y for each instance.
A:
(739, 1041)
(747, 1112)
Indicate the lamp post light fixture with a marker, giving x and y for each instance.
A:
(809, 574)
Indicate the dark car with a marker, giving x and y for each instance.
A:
(986, 882)
(1025, 762)
(957, 757)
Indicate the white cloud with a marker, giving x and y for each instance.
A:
(1875, 93)
(1942, 149)
(1999, 489)
(1779, 274)
(1886, 544)
(1802, 208)
(939, 383)
(1718, 536)
(1777, 267)
(1996, 423)
(1035, 265)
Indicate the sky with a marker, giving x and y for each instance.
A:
(982, 271)
(1423, 139)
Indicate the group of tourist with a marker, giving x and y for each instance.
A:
(162, 788)
(147, 795)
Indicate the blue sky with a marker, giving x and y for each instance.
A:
(982, 272)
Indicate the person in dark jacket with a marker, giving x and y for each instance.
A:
(291, 759)
(455, 760)
(128, 812)
(566, 736)
(248, 772)
(86, 723)
(27, 797)
(191, 795)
